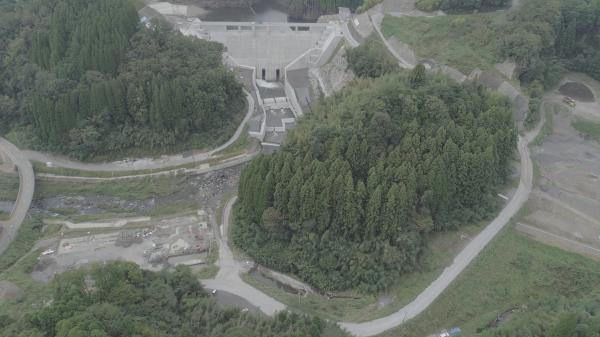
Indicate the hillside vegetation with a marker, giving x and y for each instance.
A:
(544, 37)
(517, 287)
(119, 299)
(371, 59)
(461, 5)
(351, 196)
(312, 9)
(90, 80)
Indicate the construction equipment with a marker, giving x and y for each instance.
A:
(569, 101)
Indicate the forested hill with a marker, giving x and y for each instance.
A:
(546, 36)
(118, 299)
(461, 5)
(90, 80)
(349, 199)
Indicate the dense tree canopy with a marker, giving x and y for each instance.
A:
(118, 299)
(371, 59)
(349, 199)
(93, 81)
(312, 9)
(544, 36)
(461, 5)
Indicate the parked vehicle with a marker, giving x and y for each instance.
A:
(569, 101)
(450, 333)
(48, 252)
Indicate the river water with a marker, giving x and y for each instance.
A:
(263, 11)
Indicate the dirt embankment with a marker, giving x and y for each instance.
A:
(578, 91)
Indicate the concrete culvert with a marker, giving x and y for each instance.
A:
(577, 91)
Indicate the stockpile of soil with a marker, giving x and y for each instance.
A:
(577, 91)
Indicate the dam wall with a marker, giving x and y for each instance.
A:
(268, 47)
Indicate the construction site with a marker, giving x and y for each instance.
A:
(565, 205)
(152, 244)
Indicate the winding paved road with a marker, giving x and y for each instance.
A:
(143, 163)
(229, 162)
(376, 21)
(26, 188)
(228, 278)
(461, 261)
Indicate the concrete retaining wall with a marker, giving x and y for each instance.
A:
(283, 127)
(300, 62)
(276, 103)
(329, 49)
(230, 61)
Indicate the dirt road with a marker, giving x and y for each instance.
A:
(142, 163)
(26, 188)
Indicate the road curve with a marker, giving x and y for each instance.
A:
(229, 162)
(26, 188)
(461, 261)
(376, 22)
(143, 163)
(228, 278)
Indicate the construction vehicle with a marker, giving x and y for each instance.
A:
(569, 101)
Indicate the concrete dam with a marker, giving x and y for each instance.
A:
(280, 59)
(267, 47)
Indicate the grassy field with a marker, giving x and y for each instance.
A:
(30, 231)
(32, 293)
(9, 186)
(441, 249)
(61, 171)
(129, 189)
(462, 41)
(211, 270)
(239, 146)
(550, 109)
(587, 127)
(513, 271)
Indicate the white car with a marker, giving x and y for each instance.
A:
(48, 252)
